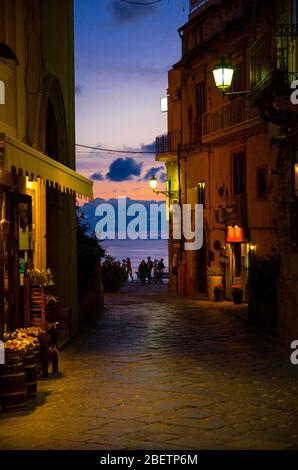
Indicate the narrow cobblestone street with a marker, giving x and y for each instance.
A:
(159, 373)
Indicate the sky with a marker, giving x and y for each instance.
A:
(122, 54)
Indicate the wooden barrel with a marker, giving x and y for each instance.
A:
(30, 366)
(13, 384)
(36, 353)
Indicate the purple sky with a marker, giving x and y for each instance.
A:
(123, 53)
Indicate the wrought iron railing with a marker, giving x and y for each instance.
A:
(274, 57)
(168, 142)
(225, 117)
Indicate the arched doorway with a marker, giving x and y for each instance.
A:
(52, 122)
(60, 210)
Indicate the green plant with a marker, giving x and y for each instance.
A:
(114, 275)
(88, 253)
(264, 275)
(219, 287)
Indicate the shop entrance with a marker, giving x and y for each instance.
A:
(15, 251)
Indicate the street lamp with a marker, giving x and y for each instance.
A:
(153, 182)
(166, 192)
(223, 74)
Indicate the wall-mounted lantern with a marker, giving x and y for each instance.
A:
(223, 73)
(172, 194)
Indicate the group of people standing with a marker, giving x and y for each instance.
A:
(151, 270)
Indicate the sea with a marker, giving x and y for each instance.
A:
(137, 250)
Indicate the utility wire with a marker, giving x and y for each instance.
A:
(100, 149)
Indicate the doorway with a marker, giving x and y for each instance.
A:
(202, 261)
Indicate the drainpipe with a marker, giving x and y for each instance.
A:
(179, 182)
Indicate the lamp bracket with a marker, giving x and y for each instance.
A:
(170, 194)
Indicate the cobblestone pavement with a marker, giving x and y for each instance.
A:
(160, 373)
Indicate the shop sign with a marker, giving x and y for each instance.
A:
(235, 234)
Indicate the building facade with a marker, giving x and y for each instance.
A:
(38, 182)
(222, 151)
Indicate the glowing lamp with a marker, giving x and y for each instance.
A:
(153, 182)
(235, 234)
(164, 104)
(296, 178)
(223, 74)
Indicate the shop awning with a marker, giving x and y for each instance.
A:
(25, 160)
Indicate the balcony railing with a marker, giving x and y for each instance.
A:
(169, 142)
(227, 116)
(273, 57)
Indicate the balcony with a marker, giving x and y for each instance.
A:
(230, 118)
(273, 59)
(168, 143)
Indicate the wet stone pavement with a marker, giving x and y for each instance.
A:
(159, 373)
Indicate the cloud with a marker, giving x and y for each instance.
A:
(123, 169)
(152, 171)
(79, 90)
(96, 176)
(163, 177)
(125, 68)
(129, 13)
(148, 147)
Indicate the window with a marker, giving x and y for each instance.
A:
(201, 192)
(200, 105)
(238, 166)
(262, 192)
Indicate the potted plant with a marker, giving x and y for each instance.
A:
(237, 293)
(219, 293)
(214, 278)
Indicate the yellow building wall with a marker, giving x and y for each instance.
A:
(40, 33)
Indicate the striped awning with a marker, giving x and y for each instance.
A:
(24, 160)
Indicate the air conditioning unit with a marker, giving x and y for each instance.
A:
(220, 215)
